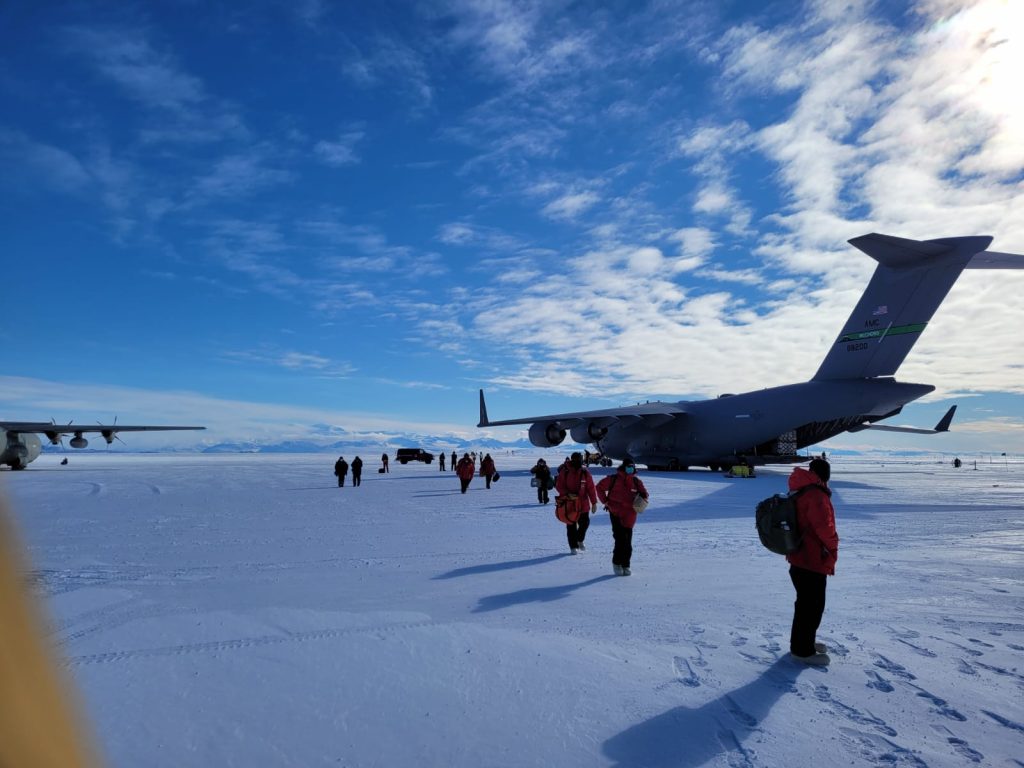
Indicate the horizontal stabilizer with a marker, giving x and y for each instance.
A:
(898, 252)
(996, 260)
(942, 426)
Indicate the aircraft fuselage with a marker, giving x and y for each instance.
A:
(767, 425)
(19, 448)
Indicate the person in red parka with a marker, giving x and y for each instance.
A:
(617, 493)
(487, 469)
(576, 481)
(814, 562)
(465, 469)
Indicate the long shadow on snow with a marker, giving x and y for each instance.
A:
(535, 595)
(739, 497)
(686, 738)
(492, 567)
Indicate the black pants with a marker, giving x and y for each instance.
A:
(623, 542)
(577, 532)
(357, 478)
(341, 481)
(542, 494)
(488, 479)
(807, 610)
(465, 483)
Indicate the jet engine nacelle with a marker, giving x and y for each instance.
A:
(590, 432)
(78, 442)
(546, 434)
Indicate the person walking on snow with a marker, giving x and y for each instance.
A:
(357, 471)
(487, 469)
(384, 461)
(341, 469)
(440, 462)
(576, 482)
(617, 492)
(465, 470)
(454, 459)
(542, 476)
(815, 560)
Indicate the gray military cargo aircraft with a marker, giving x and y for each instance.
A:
(20, 443)
(852, 390)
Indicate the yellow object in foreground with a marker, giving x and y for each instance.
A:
(39, 724)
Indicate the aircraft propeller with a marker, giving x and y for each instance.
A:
(110, 435)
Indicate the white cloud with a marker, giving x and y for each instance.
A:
(341, 152)
(714, 198)
(44, 164)
(525, 43)
(646, 260)
(695, 245)
(239, 175)
(571, 205)
(155, 79)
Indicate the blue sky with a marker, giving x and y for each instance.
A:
(355, 215)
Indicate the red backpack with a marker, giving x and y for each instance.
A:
(568, 507)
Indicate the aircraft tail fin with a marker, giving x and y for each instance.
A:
(483, 411)
(910, 282)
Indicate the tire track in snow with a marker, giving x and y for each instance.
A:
(242, 643)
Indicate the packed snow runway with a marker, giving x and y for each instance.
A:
(245, 611)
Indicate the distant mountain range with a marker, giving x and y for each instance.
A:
(389, 444)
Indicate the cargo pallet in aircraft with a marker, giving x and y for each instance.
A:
(852, 390)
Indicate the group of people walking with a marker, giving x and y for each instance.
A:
(809, 566)
(466, 470)
(578, 496)
(341, 468)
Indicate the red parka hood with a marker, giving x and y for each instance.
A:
(801, 478)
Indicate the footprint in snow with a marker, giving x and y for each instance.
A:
(684, 672)
(941, 706)
(927, 653)
(878, 682)
(880, 751)
(822, 693)
(960, 746)
(893, 668)
(739, 713)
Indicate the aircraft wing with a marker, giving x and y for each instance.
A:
(567, 420)
(47, 427)
(54, 432)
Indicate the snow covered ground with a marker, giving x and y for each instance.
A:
(241, 610)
